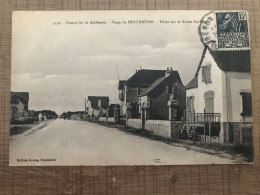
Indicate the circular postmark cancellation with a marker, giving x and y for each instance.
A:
(225, 30)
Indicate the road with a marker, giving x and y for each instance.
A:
(68, 142)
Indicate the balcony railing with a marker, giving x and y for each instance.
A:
(203, 117)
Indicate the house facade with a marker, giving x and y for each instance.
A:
(131, 88)
(220, 93)
(97, 105)
(153, 101)
(19, 104)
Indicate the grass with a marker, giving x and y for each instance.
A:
(19, 129)
(245, 150)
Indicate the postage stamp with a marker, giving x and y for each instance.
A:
(225, 30)
(232, 30)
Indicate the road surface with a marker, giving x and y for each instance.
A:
(68, 142)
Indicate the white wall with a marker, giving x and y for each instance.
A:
(237, 82)
(102, 119)
(96, 112)
(216, 86)
(135, 123)
(111, 120)
(144, 100)
(159, 127)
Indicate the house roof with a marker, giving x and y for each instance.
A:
(238, 61)
(145, 77)
(94, 101)
(173, 77)
(234, 61)
(23, 96)
(121, 84)
(193, 83)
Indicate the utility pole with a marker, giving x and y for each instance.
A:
(85, 107)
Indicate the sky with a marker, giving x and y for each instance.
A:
(61, 61)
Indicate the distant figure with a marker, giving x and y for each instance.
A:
(44, 116)
(40, 116)
(64, 115)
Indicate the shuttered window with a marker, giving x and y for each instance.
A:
(188, 104)
(246, 104)
(206, 74)
(209, 105)
(209, 101)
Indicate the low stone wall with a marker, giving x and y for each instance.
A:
(159, 127)
(102, 119)
(111, 120)
(135, 123)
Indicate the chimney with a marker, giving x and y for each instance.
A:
(168, 72)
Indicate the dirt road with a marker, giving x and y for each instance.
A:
(67, 142)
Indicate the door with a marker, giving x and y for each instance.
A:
(190, 111)
(209, 101)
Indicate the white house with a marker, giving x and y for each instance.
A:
(97, 105)
(221, 88)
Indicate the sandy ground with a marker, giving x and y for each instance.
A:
(64, 142)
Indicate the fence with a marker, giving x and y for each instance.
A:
(203, 117)
(238, 132)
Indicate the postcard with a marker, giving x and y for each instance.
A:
(130, 88)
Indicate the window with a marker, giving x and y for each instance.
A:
(121, 95)
(246, 104)
(169, 89)
(209, 101)
(175, 92)
(206, 74)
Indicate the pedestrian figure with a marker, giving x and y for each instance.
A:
(44, 116)
(40, 116)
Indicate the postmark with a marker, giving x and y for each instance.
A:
(225, 30)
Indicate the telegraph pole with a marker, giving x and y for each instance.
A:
(85, 107)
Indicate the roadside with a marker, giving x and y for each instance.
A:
(19, 129)
(22, 128)
(243, 153)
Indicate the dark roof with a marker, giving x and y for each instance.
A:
(23, 96)
(238, 61)
(112, 106)
(121, 84)
(145, 77)
(94, 101)
(193, 83)
(161, 82)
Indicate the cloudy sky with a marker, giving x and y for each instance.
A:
(60, 65)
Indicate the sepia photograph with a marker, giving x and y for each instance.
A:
(101, 88)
